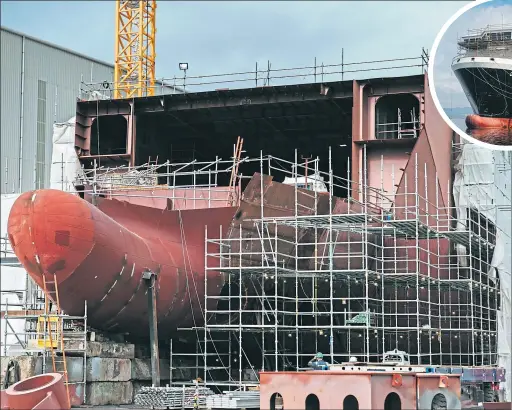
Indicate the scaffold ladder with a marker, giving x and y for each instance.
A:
(54, 320)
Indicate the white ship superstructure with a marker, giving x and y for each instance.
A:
(483, 67)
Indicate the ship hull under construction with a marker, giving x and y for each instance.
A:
(99, 254)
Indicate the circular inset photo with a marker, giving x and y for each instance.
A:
(470, 73)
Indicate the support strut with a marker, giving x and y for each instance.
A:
(150, 279)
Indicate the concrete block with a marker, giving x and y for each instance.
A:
(101, 369)
(109, 393)
(76, 394)
(111, 349)
(141, 369)
(33, 365)
(142, 351)
(104, 349)
(74, 344)
(29, 365)
(107, 337)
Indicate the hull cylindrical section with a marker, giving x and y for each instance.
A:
(478, 122)
(99, 254)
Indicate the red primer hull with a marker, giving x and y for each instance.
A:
(474, 121)
(99, 254)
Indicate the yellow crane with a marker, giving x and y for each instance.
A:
(134, 70)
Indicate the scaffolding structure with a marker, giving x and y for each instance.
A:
(400, 129)
(352, 276)
(490, 41)
(188, 185)
(362, 279)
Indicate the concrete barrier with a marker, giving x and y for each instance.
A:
(109, 393)
(111, 350)
(101, 369)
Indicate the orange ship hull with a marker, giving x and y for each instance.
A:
(474, 121)
(99, 253)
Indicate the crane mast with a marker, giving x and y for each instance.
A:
(134, 70)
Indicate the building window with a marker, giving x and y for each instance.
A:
(41, 135)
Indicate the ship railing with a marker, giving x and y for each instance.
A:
(491, 41)
(170, 171)
(309, 168)
(489, 29)
(265, 77)
(398, 130)
(204, 176)
(504, 51)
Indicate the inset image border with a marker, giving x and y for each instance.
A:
(431, 74)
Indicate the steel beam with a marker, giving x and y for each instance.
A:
(150, 279)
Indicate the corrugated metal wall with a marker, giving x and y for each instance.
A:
(10, 109)
(52, 79)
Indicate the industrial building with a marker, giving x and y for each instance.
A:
(40, 86)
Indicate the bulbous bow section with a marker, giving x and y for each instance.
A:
(51, 232)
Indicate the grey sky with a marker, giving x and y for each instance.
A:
(448, 89)
(220, 37)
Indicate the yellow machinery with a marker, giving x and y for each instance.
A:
(47, 326)
(134, 71)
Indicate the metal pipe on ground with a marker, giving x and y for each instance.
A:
(42, 392)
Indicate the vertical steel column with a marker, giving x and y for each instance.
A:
(331, 262)
(150, 279)
(417, 273)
